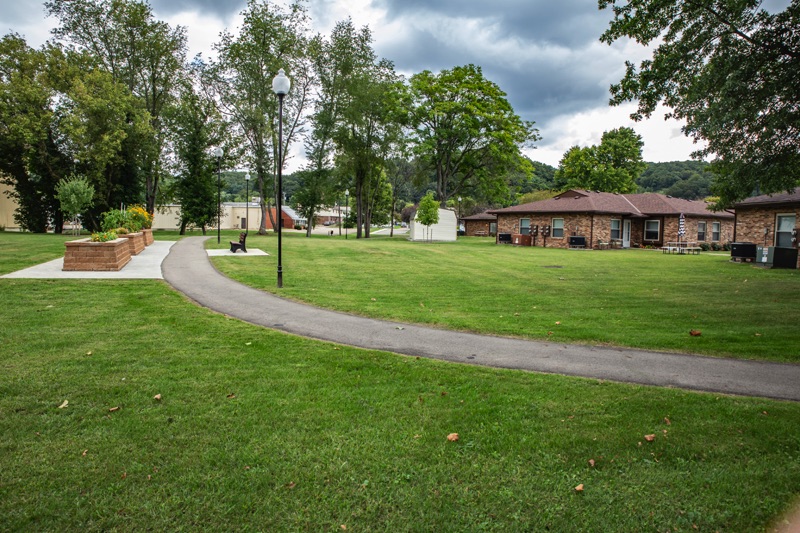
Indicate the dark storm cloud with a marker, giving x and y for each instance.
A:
(551, 62)
(565, 22)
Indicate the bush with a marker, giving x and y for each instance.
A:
(704, 246)
(104, 236)
(117, 218)
(140, 216)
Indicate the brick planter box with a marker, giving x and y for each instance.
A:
(148, 237)
(84, 254)
(136, 241)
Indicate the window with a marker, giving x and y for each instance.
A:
(558, 227)
(783, 229)
(492, 228)
(652, 230)
(525, 226)
(715, 231)
(701, 231)
(616, 225)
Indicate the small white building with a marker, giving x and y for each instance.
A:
(445, 230)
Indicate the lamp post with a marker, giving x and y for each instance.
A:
(280, 86)
(218, 155)
(247, 204)
(346, 206)
(458, 217)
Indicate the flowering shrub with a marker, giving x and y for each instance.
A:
(141, 216)
(104, 236)
(117, 218)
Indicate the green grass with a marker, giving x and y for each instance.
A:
(637, 298)
(258, 430)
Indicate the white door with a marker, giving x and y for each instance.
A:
(626, 233)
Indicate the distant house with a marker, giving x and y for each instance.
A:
(480, 225)
(769, 220)
(234, 216)
(625, 220)
(444, 230)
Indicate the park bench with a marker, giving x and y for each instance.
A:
(240, 245)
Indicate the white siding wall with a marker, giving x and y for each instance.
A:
(445, 230)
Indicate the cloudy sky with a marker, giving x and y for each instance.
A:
(544, 54)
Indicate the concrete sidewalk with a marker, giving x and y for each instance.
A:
(188, 270)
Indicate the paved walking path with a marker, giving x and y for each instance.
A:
(188, 270)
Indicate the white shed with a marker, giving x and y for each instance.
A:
(444, 230)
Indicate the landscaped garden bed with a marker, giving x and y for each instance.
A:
(83, 254)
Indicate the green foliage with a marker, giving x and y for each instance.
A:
(75, 195)
(536, 196)
(730, 69)
(119, 218)
(428, 212)
(467, 133)
(612, 166)
(141, 54)
(240, 82)
(104, 236)
(198, 127)
(681, 179)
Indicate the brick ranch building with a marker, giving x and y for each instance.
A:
(480, 225)
(769, 220)
(624, 220)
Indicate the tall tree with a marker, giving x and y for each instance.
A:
(612, 166)
(370, 124)
(240, 81)
(333, 61)
(197, 128)
(466, 131)
(143, 54)
(732, 71)
(29, 159)
(61, 114)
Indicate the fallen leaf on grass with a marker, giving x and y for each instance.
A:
(549, 332)
(695, 333)
(63, 405)
(667, 422)
(114, 409)
(248, 344)
(374, 299)
(558, 323)
(89, 353)
(591, 463)
(579, 488)
(650, 438)
(291, 485)
(124, 475)
(231, 396)
(344, 527)
(84, 453)
(452, 437)
(157, 397)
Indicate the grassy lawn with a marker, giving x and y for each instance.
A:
(636, 298)
(257, 430)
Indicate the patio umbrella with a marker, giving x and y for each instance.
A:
(681, 227)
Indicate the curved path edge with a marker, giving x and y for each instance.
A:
(188, 269)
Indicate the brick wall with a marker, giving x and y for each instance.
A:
(84, 254)
(574, 224)
(597, 228)
(471, 227)
(751, 222)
